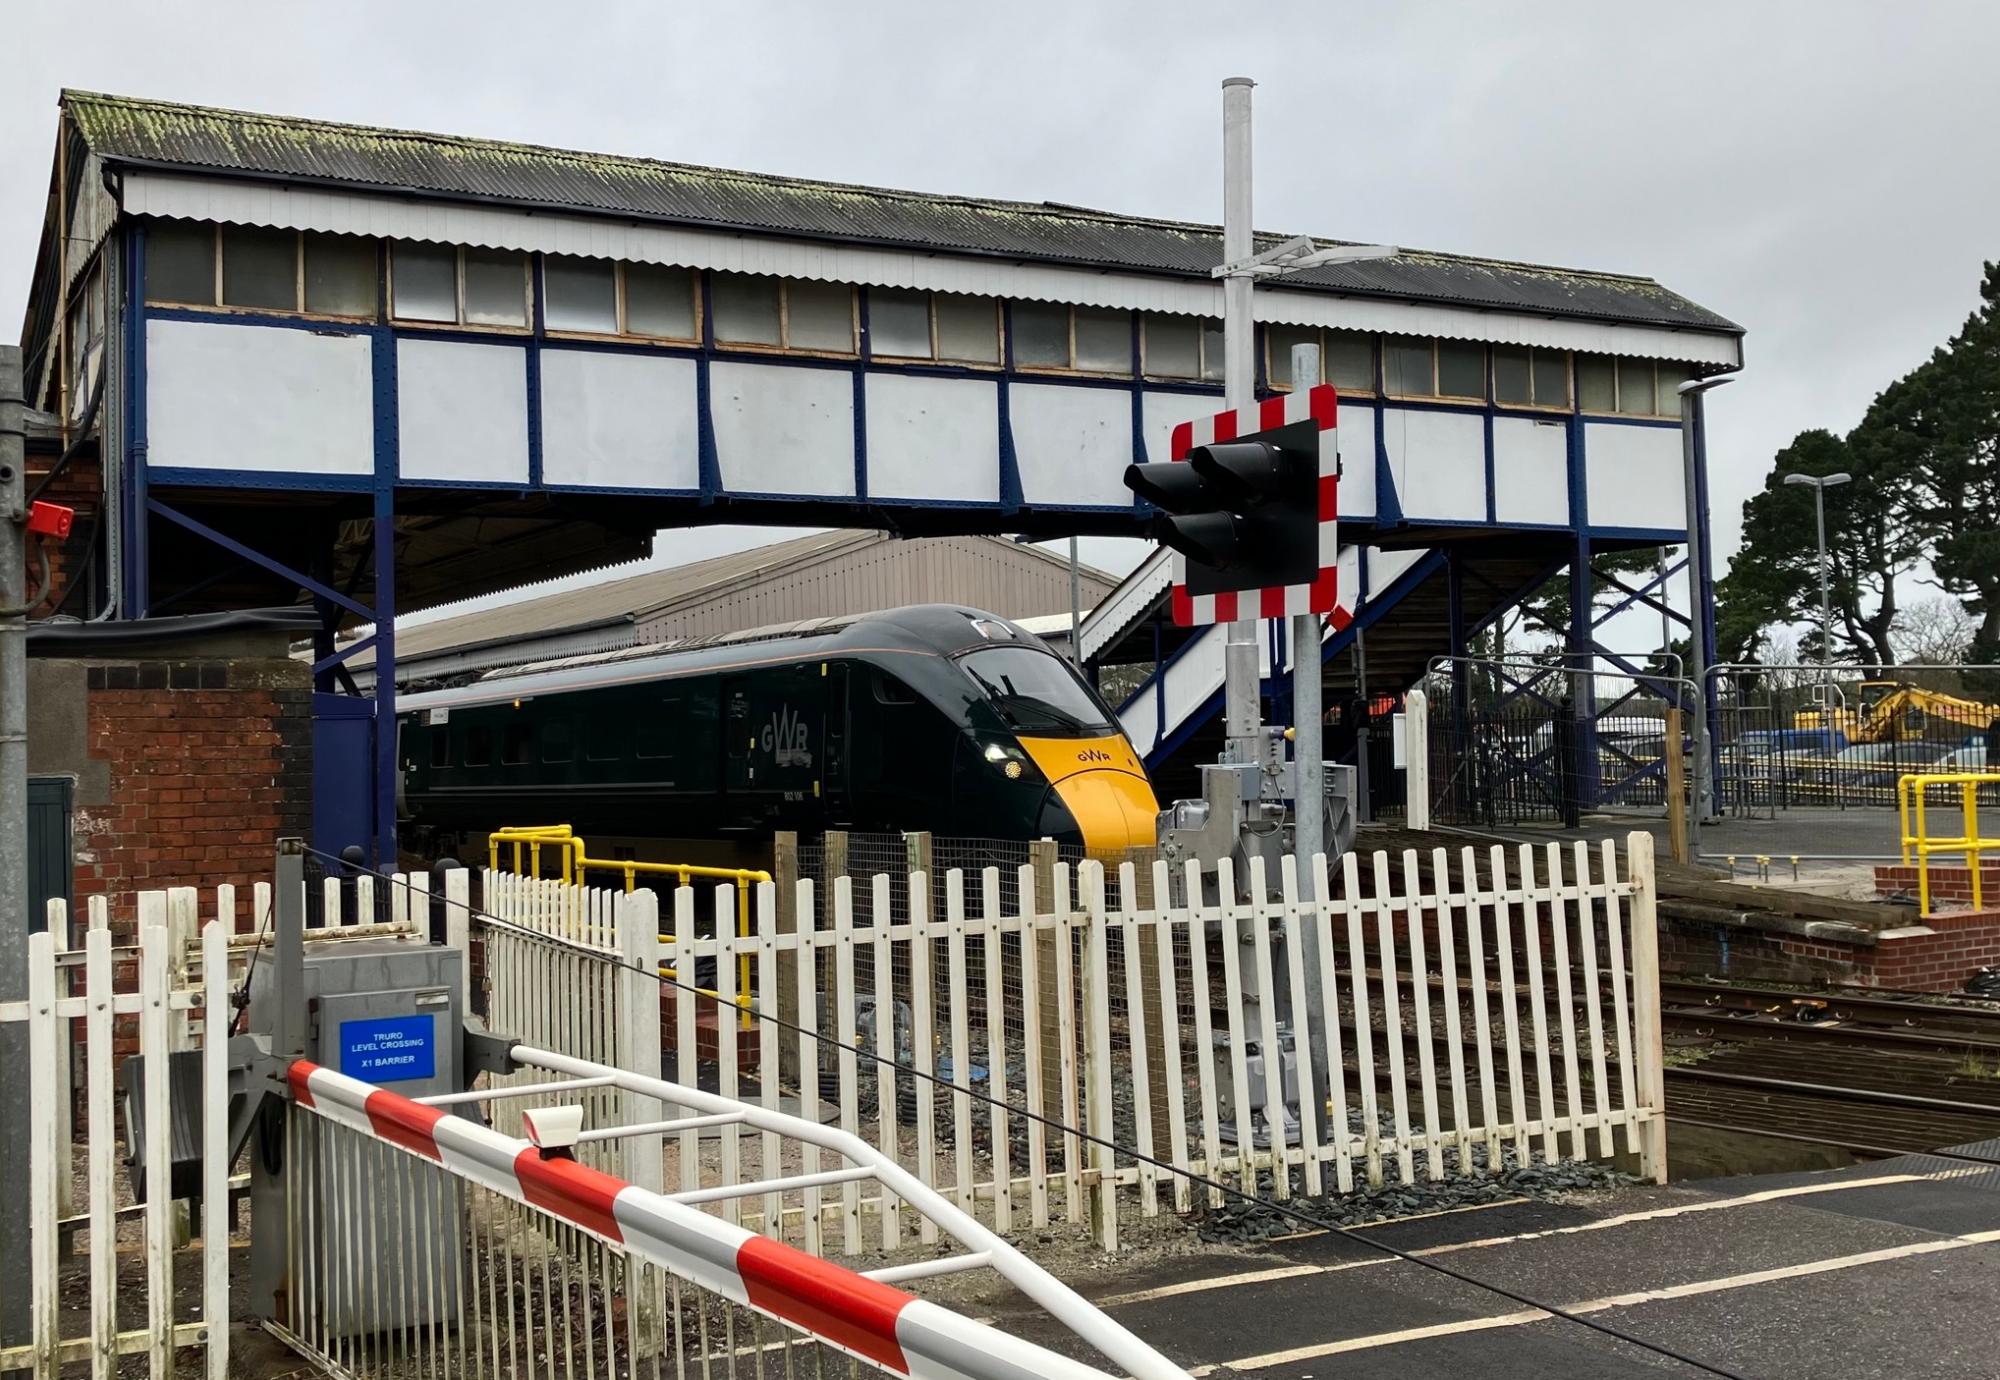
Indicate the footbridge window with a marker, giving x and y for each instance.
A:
(1052, 337)
(459, 285)
(254, 268)
(1346, 358)
(606, 297)
(1181, 347)
(946, 327)
(798, 315)
(1631, 387)
(1525, 377)
(1420, 368)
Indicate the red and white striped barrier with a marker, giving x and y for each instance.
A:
(875, 1322)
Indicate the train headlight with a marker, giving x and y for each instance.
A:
(1012, 762)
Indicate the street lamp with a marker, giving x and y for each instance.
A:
(1697, 558)
(1075, 600)
(1819, 484)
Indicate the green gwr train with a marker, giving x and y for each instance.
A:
(934, 718)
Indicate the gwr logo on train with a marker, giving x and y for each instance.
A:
(785, 738)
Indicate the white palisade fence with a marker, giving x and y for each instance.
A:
(106, 1254)
(1484, 1008)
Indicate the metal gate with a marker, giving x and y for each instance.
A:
(1546, 740)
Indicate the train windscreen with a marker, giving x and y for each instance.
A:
(1035, 692)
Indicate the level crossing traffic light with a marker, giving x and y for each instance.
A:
(1248, 506)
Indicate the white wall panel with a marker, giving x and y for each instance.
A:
(1387, 567)
(1530, 470)
(1437, 461)
(784, 431)
(1355, 439)
(462, 411)
(1165, 411)
(230, 397)
(1073, 443)
(619, 420)
(933, 438)
(1633, 476)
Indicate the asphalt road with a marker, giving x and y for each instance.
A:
(1877, 1271)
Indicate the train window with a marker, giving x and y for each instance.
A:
(478, 745)
(557, 742)
(441, 746)
(514, 740)
(889, 690)
(1034, 691)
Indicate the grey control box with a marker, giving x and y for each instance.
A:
(385, 1228)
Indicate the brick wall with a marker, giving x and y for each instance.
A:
(1935, 956)
(80, 486)
(207, 762)
(1950, 885)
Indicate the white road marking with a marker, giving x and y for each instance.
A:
(1643, 1296)
(1198, 1286)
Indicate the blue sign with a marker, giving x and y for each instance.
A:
(391, 1049)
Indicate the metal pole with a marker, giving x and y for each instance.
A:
(1239, 385)
(1075, 607)
(1704, 784)
(1308, 751)
(14, 919)
(1825, 619)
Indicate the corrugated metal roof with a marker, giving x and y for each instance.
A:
(127, 129)
(611, 604)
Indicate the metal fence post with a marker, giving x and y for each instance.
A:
(1650, 1051)
(1676, 770)
(14, 919)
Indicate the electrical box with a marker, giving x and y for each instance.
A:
(385, 1011)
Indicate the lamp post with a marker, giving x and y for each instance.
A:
(1820, 483)
(1691, 395)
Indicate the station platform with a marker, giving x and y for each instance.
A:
(1876, 1270)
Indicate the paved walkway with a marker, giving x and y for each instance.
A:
(1883, 1270)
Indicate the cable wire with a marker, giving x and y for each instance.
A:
(1285, 1209)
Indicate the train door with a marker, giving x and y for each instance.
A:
(835, 744)
(739, 746)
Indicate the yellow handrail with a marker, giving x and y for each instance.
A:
(1910, 792)
(576, 862)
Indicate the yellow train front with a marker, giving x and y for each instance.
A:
(936, 718)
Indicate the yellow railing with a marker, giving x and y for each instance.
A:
(1917, 841)
(529, 840)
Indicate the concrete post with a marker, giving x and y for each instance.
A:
(785, 881)
(15, 1123)
(1239, 386)
(1042, 858)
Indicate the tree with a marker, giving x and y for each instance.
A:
(1775, 578)
(1945, 418)
(1935, 632)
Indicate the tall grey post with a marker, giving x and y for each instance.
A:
(1697, 521)
(14, 918)
(1309, 822)
(1239, 385)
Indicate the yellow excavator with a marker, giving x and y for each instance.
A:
(1894, 711)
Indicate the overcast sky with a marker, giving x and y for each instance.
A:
(1823, 172)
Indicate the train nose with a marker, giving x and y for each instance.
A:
(1113, 810)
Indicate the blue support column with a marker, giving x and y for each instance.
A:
(137, 584)
(385, 675)
(1583, 684)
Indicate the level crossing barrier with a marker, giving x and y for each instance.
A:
(452, 1313)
